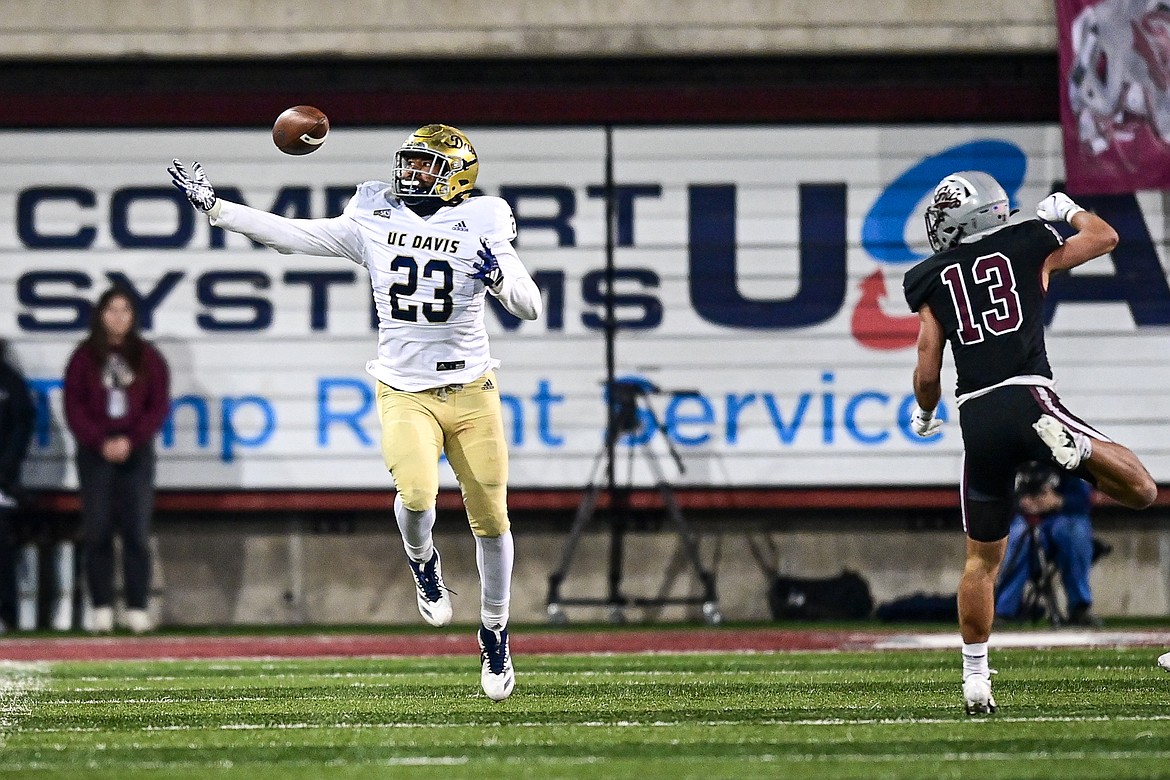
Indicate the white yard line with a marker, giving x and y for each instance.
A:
(620, 724)
(1063, 638)
(17, 680)
(601, 760)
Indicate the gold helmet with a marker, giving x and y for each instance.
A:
(447, 156)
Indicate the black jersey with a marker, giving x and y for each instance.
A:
(987, 295)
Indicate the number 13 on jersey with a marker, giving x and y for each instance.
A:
(991, 304)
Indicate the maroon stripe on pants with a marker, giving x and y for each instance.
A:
(1047, 400)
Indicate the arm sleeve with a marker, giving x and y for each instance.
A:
(20, 419)
(78, 380)
(156, 402)
(916, 285)
(519, 292)
(334, 237)
(1046, 240)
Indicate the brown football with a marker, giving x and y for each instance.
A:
(300, 130)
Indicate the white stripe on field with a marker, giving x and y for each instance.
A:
(155, 766)
(1064, 638)
(17, 680)
(1035, 755)
(556, 761)
(959, 718)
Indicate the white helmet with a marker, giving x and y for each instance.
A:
(965, 203)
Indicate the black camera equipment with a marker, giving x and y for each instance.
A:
(624, 399)
(1039, 599)
(1034, 478)
(630, 408)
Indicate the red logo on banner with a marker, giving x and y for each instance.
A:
(872, 327)
(1115, 96)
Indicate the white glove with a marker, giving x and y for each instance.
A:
(1057, 207)
(194, 185)
(924, 423)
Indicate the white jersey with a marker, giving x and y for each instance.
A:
(430, 311)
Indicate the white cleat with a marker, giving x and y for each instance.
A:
(977, 698)
(1063, 443)
(498, 678)
(138, 621)
(101, 620)
(433, 602)
(1164, 661)
(62, 619)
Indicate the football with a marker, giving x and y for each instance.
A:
(300, 130)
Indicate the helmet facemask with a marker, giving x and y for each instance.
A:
(438, 151)
(408, 178)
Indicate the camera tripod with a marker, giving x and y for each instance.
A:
(625, 418)
(1039, 598)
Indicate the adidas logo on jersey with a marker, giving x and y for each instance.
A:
(460, 225)
(488, 385)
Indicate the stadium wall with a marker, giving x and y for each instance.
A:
(518, 28)
(287, 572)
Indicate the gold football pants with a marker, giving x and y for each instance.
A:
(468, 424)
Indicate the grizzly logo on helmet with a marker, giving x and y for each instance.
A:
(946, 198)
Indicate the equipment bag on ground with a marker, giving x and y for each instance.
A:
(844, 597)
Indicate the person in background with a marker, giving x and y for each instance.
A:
(16, 428)
(117, 394)
(1059, 503)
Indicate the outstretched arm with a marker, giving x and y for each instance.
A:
(334, 237)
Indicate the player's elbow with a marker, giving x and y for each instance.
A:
(527, 302)
(1104, 238)
(527, 313)
(1110, 239)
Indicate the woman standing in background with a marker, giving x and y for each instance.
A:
(117, 394)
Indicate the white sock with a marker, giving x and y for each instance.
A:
(1085, 445)
(494, 556)
(975, 660)
(416, 530)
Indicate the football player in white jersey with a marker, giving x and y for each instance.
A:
(433, 252)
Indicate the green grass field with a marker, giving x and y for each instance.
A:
(1063, 714)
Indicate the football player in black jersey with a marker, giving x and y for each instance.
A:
(983, 292)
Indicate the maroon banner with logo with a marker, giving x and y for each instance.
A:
(1115, 94)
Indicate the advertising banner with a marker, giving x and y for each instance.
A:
(758, 295)
(1115, 94)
